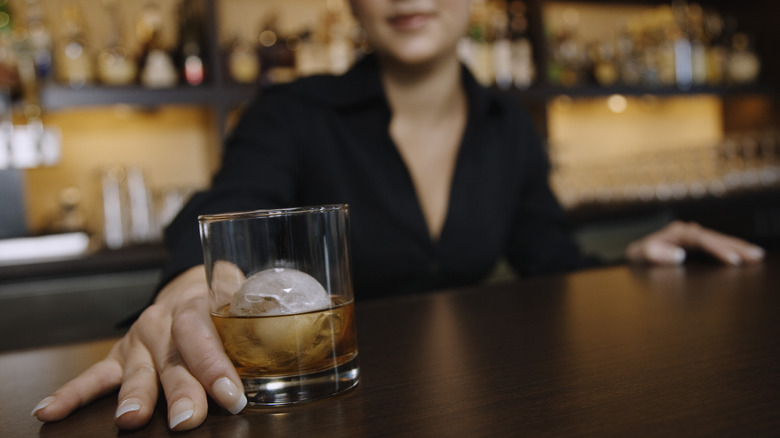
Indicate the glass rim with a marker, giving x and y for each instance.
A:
(270, 212)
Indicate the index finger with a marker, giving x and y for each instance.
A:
(98, 380)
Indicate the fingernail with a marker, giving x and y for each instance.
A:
(678, 256)
(42, 404)
(181, 411)
(129, 405)
(756, 253)
(230, 394)
(733, 258)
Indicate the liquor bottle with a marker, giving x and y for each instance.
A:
(340, 46)
(522, 62)
(605, 68)
(502, 48)
(566, 63)
(667, 48)
(115, 66)
(40, 40)
(311, 57)
(157, 69)
(9, 85)
(743, 63)
(268, 43)
(74, 61)
(243, 62)
(683, 56)
(627, 59)
(276, 57)
(717, 50)
(191, 53)
(23, 61)
(476, 48)
(698, 44)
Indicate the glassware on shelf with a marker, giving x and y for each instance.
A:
(116, 224)
(521, 57)
(129, 216)
(501, 42)
(741, 161)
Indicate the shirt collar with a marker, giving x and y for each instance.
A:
(362, 85)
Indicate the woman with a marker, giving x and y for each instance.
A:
(442, 177)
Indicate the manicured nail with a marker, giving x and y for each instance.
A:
(230, 394)
(734, 258)
(756, 253)
(678, 256)
(181, 411)
(42, 404)
(129, 405)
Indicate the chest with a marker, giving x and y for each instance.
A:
(354, 159)
(429, 150)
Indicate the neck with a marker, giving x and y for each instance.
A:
(427, 91)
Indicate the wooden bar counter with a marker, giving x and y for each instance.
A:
(617, 351)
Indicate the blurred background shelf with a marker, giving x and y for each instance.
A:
(133, 258)
(545, 93)
(175, 133)
(605, 141)
(62, 97)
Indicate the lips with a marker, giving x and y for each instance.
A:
(409, 21)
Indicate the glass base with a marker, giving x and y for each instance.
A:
(289, 390)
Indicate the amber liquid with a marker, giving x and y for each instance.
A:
(288, 345)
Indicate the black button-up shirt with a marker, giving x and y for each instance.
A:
(325, 140)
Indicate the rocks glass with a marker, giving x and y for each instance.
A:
(280, 294)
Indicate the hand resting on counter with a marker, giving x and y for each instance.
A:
(670, 245)
(173, 340)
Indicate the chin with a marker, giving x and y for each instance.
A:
(415, 54)
(414, 59)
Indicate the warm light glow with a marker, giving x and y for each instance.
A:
(267, 38)
(562, 103)
(335, 5)
(571, 17)
(617, 103)
(649, 102)
(173, 144)
(123, 111)
(584, 131)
